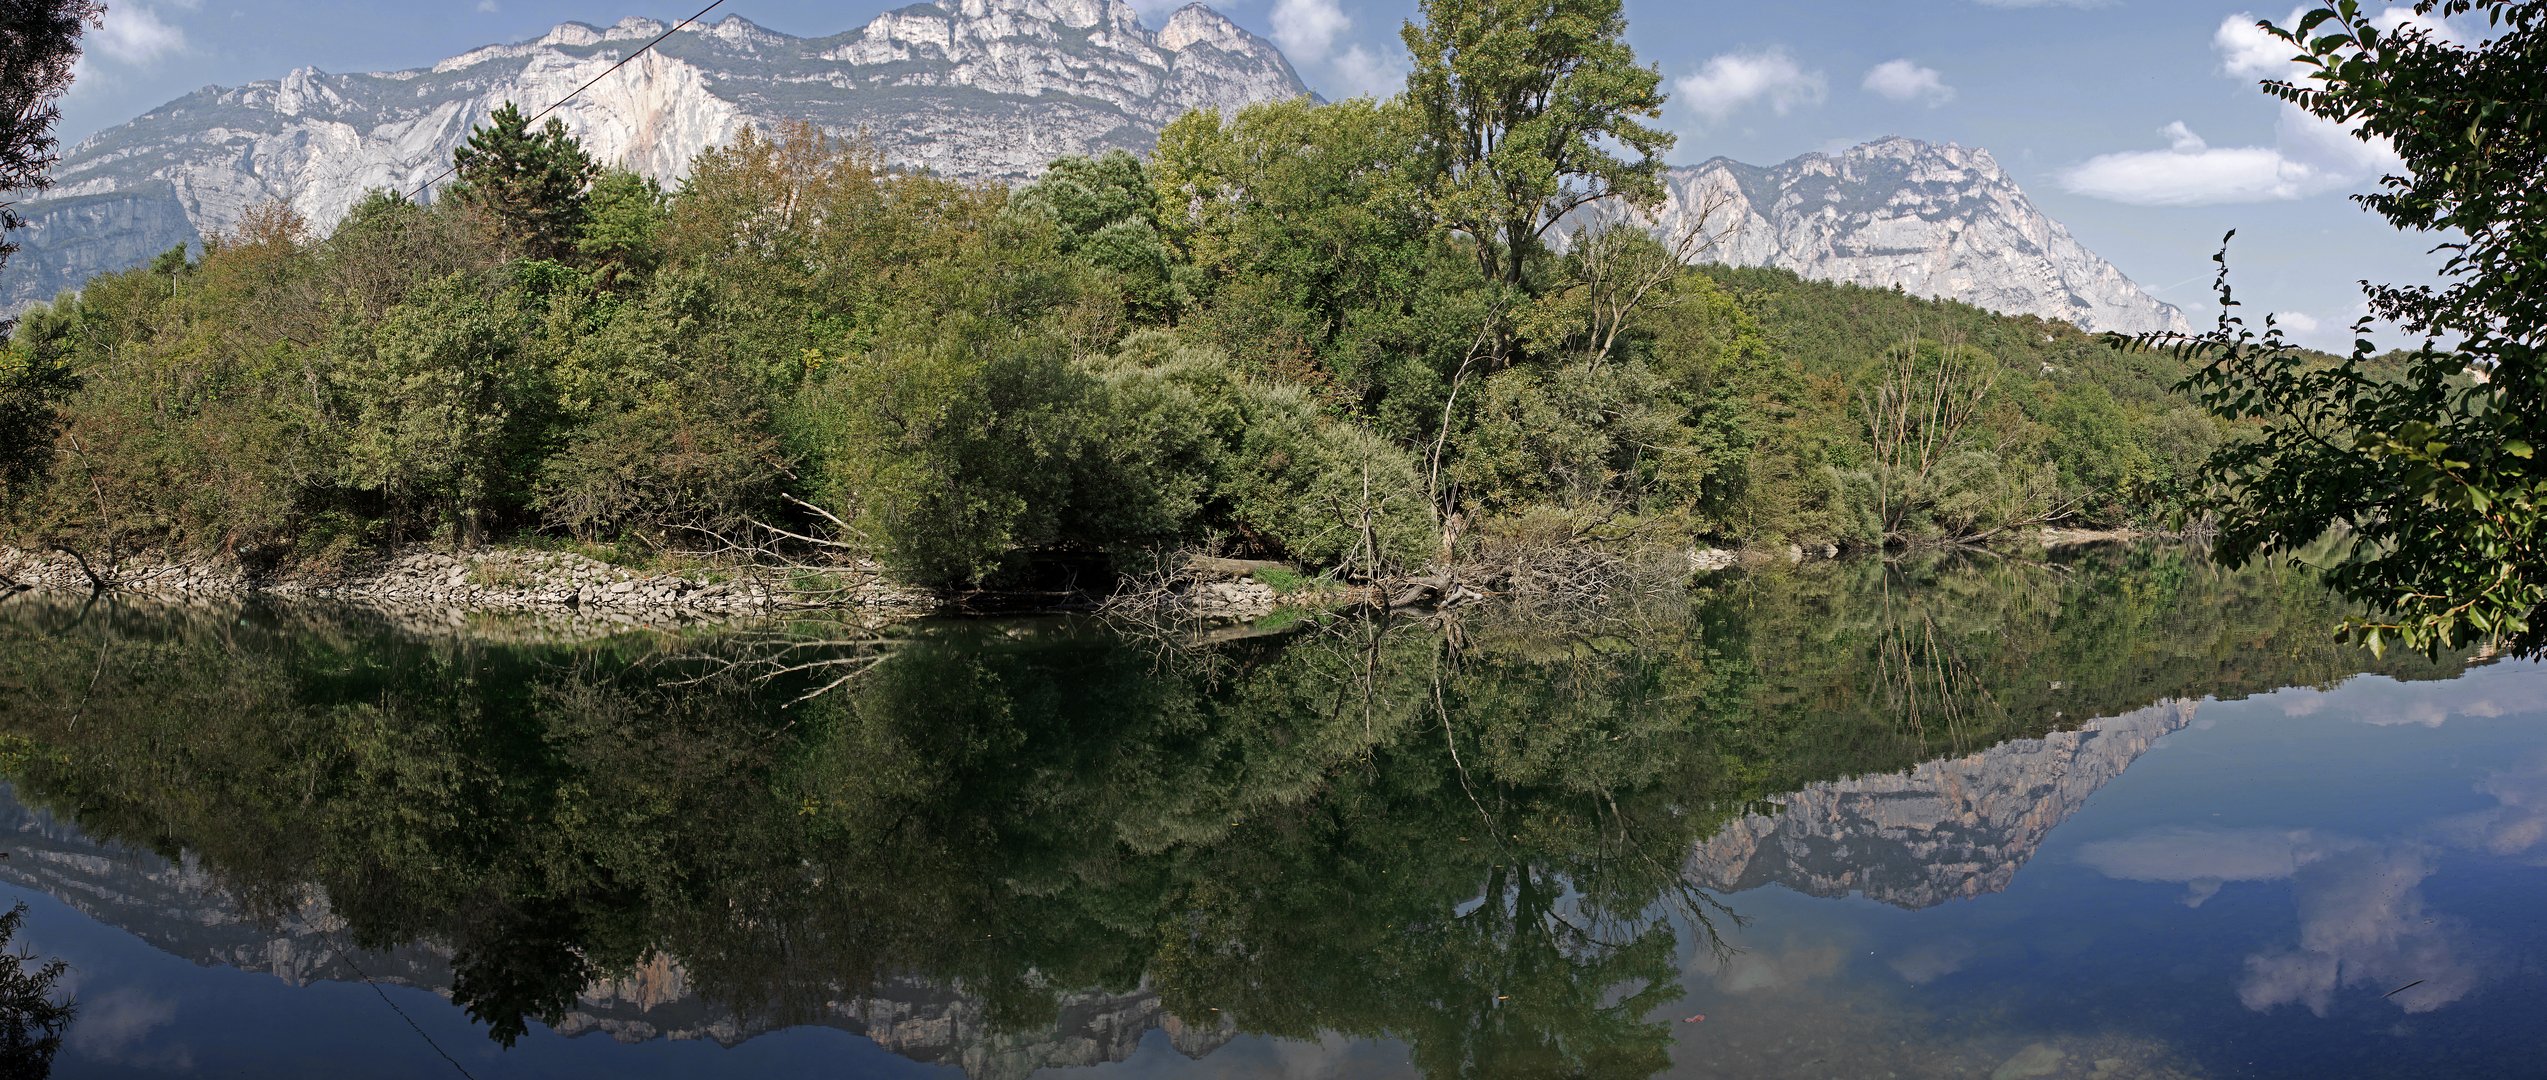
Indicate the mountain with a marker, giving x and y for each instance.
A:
(1936, 220)
(1946, 830)
(987, 89)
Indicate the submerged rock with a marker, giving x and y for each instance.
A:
(2034, 1061)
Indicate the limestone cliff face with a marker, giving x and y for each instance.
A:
(180, 909)
(68, 241)
(1951, 829)
(1935, 220)
(988, 89)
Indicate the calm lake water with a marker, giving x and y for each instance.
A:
(2119, 814)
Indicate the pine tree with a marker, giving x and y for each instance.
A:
(530, 186)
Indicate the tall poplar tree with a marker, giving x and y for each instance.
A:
(1524, 107)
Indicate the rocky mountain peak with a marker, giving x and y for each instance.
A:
(1934, 219)
(737, 30)
(1195, 24)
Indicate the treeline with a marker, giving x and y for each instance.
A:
(1276, 336)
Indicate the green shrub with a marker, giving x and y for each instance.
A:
(677, 466)
(1326, 492)
(953, 457)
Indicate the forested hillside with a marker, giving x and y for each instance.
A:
(1279, 335)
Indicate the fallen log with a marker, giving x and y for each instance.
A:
(1415, 591)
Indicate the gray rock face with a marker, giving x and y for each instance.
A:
(1939, 221)
(1947, 830)
(987, 89)
(68, 241)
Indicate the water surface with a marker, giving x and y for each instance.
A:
(2118, 814)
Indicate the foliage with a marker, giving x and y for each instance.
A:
(688, 459)
(39, 42)
(1521, 109)
(2071, 428)
(1320, 268)
(625, 215)
(530, 186)
(2429, 467)
(1106, 211)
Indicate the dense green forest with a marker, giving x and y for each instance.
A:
(1279, 335)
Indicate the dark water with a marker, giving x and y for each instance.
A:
(2117, 815)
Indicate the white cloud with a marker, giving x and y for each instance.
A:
(2362, 921)
(1307, 29)
(2203, 858)
(1362, 73)
(2247, 52)
(2515, 828)
(122, 1026)
(1312, 33)
(1902, 80)
(2309, 156)
(1928, 963)
(2398, 18)
(1735, 81)
(2191, 172)
(487, 6)
(132, 33)
(2297, 322)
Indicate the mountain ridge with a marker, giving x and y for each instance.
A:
(978, 89)
(1934, 219)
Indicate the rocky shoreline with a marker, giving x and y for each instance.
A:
(501, 580)
(428, 586)
(425, 588)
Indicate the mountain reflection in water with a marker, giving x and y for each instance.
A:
(1494, 846)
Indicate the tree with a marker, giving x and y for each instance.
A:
(1108, 214)
(1312, 257)
(2429, 464)
(39, 40)
(625, 215)
(531, 186)
(1519, 105)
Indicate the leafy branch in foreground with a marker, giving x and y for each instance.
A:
(2426, 460)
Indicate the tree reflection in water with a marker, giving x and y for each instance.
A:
(34, 1011)
(1467, 836)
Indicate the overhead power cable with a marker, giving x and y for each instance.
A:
(578, 91)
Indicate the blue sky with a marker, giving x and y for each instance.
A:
(2134, 122)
